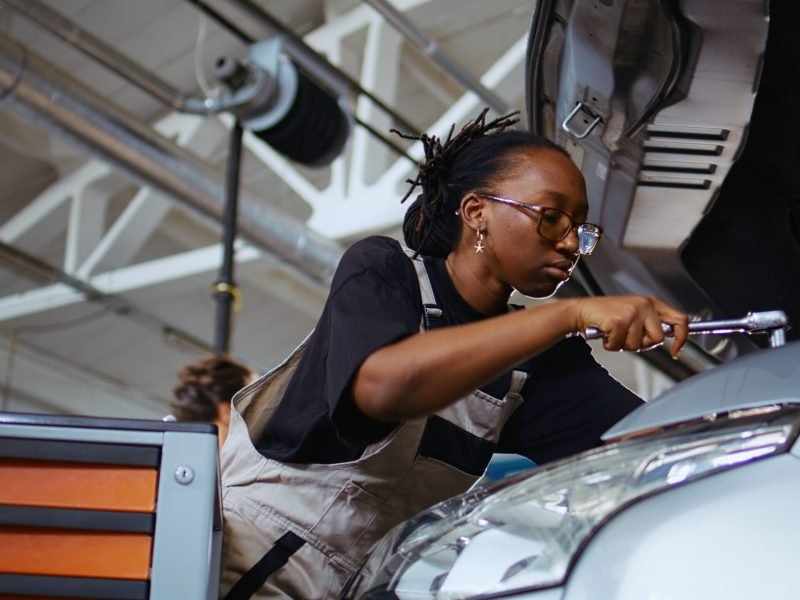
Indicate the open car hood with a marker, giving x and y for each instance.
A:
(681, 116)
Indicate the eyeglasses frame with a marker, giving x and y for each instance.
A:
(592, 231)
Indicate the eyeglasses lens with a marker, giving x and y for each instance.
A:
(554, 224)
(588, 236)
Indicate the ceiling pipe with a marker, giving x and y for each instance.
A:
(48, 98)
(119, 64)
(54, 23)
(314, 63)
(433, 52)
(308, 59)
(36, 269)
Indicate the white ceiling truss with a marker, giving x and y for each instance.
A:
(97, 254)
(132, 242)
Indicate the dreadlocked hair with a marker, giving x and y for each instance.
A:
(430, 226)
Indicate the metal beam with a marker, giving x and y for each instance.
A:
(50, 99)
(38, 269)
(68, 31)
(434, 53)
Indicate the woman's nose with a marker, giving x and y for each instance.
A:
(570, 243)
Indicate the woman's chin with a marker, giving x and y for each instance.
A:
(541, 291)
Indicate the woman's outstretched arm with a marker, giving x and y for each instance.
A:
(424, 373)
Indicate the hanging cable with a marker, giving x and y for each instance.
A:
(226, 293)
(199, 72)
(14, 335)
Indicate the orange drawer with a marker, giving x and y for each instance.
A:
(35, 551)
(77, 485)
(14, 597)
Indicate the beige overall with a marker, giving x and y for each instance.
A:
(310, 526)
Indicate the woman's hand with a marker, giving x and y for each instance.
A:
(423, 373)
(632, 322)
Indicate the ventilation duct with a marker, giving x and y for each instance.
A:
(48, 98)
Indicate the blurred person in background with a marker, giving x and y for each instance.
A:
(205, 388)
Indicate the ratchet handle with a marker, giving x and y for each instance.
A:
(593, 333)
(773, 322)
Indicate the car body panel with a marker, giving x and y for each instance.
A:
(725, 536)
(741, 503)
(761, 378)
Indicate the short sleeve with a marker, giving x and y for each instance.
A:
(374, 302)
(570, 402)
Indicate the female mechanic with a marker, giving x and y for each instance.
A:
(419, 369)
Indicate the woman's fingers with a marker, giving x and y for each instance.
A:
(634, 340)
(680, 329)
(621, 322)
(653, 331)
(635, 322)
(678, 321)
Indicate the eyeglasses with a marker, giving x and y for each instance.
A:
(554, 224)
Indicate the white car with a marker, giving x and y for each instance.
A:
(694, 496)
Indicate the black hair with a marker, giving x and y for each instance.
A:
(204, 384)
(472, 160)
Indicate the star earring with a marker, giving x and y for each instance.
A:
(479, 245)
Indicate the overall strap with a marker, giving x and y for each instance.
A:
(518, 378)
(274, 559)
(432, 314)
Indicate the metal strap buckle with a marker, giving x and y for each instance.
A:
(565, 125)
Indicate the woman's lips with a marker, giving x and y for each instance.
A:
(560, 271)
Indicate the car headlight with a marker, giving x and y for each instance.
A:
(525, 534)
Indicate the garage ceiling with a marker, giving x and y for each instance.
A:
(105, 278)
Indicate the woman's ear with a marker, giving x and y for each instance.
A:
(473, 212)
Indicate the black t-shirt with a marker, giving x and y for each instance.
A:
(570, 400)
